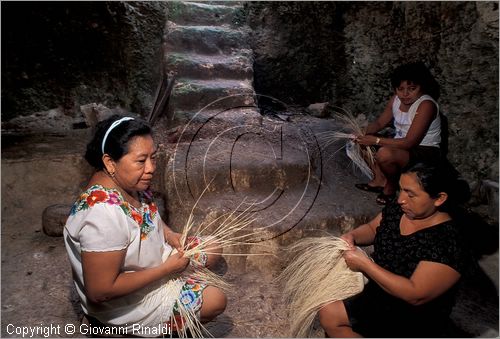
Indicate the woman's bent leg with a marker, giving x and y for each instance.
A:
(391, 161)
(334, 320)
(214, 303)
(378, 176)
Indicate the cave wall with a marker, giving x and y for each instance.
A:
(295, 47)
(344, 52)
(67, 54)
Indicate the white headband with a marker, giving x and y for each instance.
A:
(113, 125)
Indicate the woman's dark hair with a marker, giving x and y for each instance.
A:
(418, 74)
(437, 178)
(116, 145)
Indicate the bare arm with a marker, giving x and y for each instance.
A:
(363, 234)
(429, 280)
(423, 118)
(172, 238)
(382, 121)
(104, 279)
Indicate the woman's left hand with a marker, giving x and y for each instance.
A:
(174, 240)
(356, 259)
(366, 140)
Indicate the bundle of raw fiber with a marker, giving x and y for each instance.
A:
(317, 275)
(225, 231)
(361, 156)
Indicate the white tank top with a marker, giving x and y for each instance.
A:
(403, 120)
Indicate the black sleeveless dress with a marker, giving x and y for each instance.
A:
(375, 313)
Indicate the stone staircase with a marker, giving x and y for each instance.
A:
(206, 46)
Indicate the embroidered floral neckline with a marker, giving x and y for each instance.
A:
(98, 194)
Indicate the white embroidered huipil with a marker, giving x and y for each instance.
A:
(403, 120)
(102, 221)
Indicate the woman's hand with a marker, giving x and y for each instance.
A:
(366, 140)
(349, 238)
(174, 240)
(176, 263)
(356, 259)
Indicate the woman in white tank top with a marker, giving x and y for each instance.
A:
(416, 118)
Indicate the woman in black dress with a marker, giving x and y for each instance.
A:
(418, 259)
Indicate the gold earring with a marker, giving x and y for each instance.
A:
(111, 174)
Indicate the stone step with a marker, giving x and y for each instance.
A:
(239, 116)
(202, 13)
(237, 166)
(204, 39)
(240, 150)
(288, 215)
(191, 65)
(291, 201)
(194, 94)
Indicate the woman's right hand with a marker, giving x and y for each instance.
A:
(349, 238)
(356, 259)
(176, 263)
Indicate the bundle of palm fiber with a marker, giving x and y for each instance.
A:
(316, 275)
(361, 156)
(225, 231)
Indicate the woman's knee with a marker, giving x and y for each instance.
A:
(333, 315)
(387, 156)
(214, 303)
(384, 155)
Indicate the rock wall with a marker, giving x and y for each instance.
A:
(343, 52)
(56, 58)
(295, 47)
(69, 54)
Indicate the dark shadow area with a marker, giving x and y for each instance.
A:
(476, 307)
(64, 54)
(50, 50)
(220, 326)
(481, 237)
(220, 268)
(445, 134)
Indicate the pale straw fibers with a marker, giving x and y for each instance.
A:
(316, 275)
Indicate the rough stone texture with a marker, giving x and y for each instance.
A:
(69, 54)
(305, 52)
(54, 218)
(233, 66)
(343, 52)
(206, 14)
(295, 46)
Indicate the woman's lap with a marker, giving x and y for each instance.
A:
(373, 315)
(194, 290)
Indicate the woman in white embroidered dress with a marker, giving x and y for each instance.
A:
(417, 122)
(118, 245)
